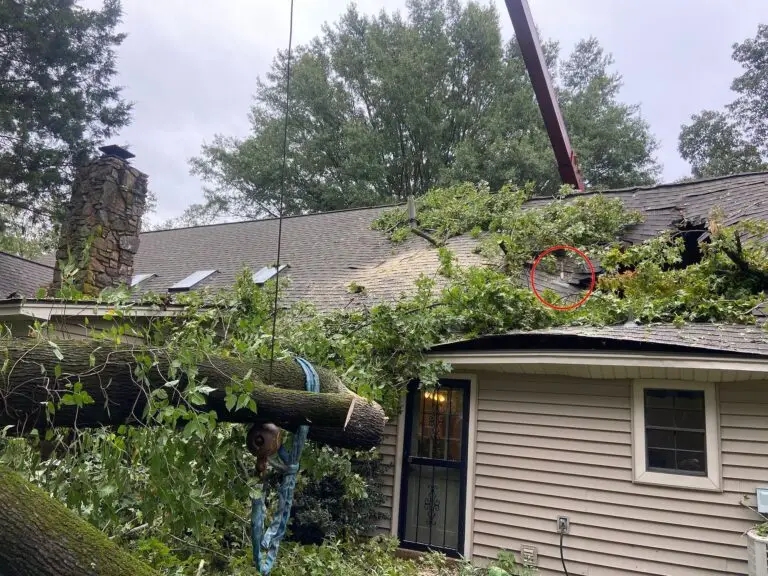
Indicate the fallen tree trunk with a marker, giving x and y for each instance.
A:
(39, 536)
(119, 378)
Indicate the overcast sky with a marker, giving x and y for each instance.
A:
(191, 66)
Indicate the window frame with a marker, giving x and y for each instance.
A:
(640, 473)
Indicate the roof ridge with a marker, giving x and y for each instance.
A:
(665, 185)
(27, 260)
(342, 210)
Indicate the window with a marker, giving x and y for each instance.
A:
(188, 282)
(675, 434)
(266, 273)
(139, 278)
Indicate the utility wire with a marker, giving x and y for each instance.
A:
(562, 556)
(282, 192)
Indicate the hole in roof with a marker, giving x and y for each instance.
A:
(266, 273)
(692, 233)
(139, 278)
(191, 280)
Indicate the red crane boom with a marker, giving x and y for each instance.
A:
(530, 46)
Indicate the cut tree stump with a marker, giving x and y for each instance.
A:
(336, 415)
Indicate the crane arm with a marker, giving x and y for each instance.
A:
(533, 56)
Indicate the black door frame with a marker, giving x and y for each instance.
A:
(413, 389)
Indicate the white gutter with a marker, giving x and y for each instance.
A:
(479, 360)
(47, 310)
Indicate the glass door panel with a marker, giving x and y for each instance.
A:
(434, 468)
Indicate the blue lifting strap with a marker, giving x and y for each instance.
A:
(266, 544)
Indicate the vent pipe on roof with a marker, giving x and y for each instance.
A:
(414, 226)
(412, 211)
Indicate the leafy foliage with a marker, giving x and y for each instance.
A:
(178, 491)
(715, 146)
(364, 131)
(57, 102)
(751, 104)
(339, 496)
(581, 221)
(736, 140)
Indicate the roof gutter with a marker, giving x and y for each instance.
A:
(47, 310)
(480, 360)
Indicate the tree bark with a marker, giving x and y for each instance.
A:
(39, 536)
(110, 375)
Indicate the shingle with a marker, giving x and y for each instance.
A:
(741, 197)
(715, 337)
(328, 252)
(709, 338)
(21, 276)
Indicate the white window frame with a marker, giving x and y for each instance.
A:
(713, 479)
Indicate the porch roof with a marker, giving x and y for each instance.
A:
(695, 339)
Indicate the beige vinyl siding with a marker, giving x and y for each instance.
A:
(388, 449)
(549, 445)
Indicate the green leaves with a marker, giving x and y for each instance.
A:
(58, 102)
(364, 133)
(735, 140)
(78, 397)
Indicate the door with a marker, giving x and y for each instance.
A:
(434, 478)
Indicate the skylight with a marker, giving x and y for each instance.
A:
(139, 278)
(266, 273)
(191, 280)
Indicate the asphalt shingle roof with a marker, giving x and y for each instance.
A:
(741, 197)
(21, 276)
(729, 338)
(328, 252)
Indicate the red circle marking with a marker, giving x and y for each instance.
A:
(591, 272)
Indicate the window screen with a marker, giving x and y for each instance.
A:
(675, 431)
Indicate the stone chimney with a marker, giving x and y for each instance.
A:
(101, 232)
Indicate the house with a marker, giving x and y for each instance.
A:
(650, 441)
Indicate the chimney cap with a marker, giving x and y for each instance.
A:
(117, 152)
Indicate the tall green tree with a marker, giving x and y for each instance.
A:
(751, 87)
(390, 105)
(57, 97)
(736, 139)
(715, 146)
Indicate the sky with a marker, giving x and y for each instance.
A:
(191, 66)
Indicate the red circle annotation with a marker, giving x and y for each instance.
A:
(591, 272)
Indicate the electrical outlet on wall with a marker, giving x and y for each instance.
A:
(563, 525)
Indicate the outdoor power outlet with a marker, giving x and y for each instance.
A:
(563, 525)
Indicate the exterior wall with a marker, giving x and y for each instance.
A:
(556, 445)
(387, 449)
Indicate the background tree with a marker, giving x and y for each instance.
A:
(385, 106)
(751, 104)
(57, 100)
(715, 146)
(735, 140)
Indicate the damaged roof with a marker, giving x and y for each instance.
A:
(684, 205)
(667, 206)
(336, 260)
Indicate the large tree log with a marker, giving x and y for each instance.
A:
(108, 373)
(40, 537)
